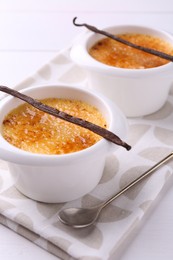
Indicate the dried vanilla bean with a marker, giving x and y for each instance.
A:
(75, 120)
(133, 45)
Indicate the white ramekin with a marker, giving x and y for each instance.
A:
(137, 92)
(60, 178)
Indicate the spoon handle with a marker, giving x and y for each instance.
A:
(140, 178)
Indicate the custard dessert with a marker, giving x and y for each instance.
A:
(38, 132)
(114, 53)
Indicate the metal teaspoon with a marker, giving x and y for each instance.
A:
(84, 217)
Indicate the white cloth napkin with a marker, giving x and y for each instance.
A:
(151, 138)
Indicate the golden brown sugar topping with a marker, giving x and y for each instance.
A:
(35, 131)
(116, 54)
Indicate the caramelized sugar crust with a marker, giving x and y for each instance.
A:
(35, 131)
(116, 54)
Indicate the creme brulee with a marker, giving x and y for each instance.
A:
(116, 54)
(35, 131)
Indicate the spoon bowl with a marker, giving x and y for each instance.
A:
(79, 217)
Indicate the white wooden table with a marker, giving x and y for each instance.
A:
(31, 33)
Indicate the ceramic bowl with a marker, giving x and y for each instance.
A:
(137, 92)
(60, 178)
